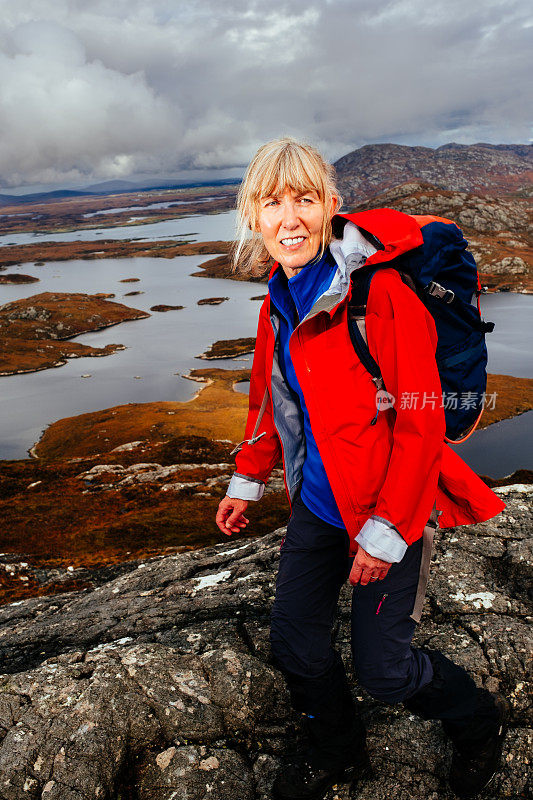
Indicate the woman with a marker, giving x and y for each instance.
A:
(363, 486)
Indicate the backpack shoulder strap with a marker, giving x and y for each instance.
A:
(356, 320)
(357, 327)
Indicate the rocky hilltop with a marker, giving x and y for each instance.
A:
(498, 229)
(498, 169)
(158, 684)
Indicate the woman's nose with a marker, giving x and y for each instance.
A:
(290, 217)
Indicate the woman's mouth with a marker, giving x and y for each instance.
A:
(292, 242)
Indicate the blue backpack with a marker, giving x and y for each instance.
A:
(444, 276)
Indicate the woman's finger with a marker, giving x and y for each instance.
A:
(235, 522)
(355, 574)
(366, 578)
(220, 518)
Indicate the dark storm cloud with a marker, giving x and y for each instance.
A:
(111, 88)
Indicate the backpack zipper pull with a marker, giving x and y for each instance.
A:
(379, 383)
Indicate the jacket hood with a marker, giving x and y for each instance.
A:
(397, 232)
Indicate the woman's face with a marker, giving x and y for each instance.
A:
(291, 226)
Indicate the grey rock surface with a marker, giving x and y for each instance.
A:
(112, 477)
(158, 685)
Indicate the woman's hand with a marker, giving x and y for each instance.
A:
(230, 515)
(367, 569)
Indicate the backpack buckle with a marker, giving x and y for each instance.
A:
(436, 290)
(357, 312)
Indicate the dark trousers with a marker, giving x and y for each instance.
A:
(314, 563)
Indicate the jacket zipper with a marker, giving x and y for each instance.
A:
(287, 492)
(341, 478)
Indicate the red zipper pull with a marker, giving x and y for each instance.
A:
(380, 603)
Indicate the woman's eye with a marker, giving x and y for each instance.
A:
(306, 200)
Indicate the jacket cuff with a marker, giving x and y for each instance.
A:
(381, 540)
(241, 487)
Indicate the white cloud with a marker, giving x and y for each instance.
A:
(113, 87)
(62, 115)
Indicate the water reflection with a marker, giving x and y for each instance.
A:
(166, 204)
(501, 448)
(197, 227)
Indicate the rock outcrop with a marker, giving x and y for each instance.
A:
(498, 229)
(158, 684)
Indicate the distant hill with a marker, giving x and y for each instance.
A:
(111, 186)
(502, 169)
(38, 197)
(107, 187)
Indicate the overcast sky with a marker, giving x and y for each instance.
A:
(109, 89)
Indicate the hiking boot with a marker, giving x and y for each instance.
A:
(475, 763)
(302, 780)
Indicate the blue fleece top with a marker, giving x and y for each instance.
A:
(294, 298)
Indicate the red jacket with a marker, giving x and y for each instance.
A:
(396, 468)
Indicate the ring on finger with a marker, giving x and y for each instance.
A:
(373, 577)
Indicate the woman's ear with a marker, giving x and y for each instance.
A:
(333, 206)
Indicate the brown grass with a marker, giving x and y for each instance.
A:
(514, 396)
(67, 251)
(60, 523)
(216, 412)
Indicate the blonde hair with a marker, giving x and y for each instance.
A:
(278, 165)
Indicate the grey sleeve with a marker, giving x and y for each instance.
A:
(381, 540)
(241, 487)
